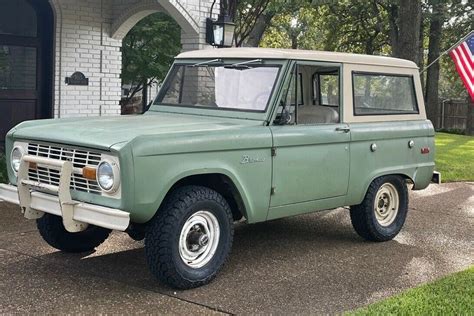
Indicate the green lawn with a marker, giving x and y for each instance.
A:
(455, 157)
(451, 295)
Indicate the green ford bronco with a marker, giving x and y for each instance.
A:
(234, 134)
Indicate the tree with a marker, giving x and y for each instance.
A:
(432, 77)
(448, 20)
(294, 30)
(355, 27)
(405, 27)
(248, 20)
(417, 30)
(253, 17)
(148, 51)
(255, 36)
(459, 20)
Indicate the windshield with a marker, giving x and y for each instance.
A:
(246, 88)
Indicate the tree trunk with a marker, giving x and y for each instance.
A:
(422, 52)
(294, 38)
(393, 22)
(432, 77)
(258, 30)
(144, 96)
(409, 19)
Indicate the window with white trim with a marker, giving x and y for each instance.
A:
(383, 94)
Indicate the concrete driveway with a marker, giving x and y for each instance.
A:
(308, 264)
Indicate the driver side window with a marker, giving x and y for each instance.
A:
(315, 101)
(287, 107)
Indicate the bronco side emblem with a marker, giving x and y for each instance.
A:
(247, 159)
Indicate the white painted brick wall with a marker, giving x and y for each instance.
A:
(85, 42)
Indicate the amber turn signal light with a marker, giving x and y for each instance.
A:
(89, 172)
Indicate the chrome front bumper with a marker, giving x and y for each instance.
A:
(76, 215)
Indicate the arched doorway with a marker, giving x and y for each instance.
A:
(26, 62)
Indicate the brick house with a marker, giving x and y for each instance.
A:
(43, 42)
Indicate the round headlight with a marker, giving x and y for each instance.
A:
(106, 176)
(15, 160)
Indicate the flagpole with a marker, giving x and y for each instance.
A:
(444, 53)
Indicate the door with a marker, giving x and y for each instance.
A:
(25, 62)
(312, 154)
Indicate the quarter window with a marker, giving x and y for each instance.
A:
(328, 87)
(381, 94)
(294, 93)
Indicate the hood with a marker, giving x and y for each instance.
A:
(104, 132)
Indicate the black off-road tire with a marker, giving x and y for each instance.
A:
(53, 232)
(136, 231)
(163, 233)
(363, 216)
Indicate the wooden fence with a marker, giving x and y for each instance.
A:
(455, 115)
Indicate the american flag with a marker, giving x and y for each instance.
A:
(464, 60)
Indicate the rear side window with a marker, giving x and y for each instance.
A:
(383, 94)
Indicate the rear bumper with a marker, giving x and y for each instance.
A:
(81, 212)
(436, 178)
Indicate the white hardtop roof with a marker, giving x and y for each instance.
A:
(312, 55)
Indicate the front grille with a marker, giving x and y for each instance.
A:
(50, 175)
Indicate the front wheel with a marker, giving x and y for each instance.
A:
(382, 213)
(53, 232)
(189, 240)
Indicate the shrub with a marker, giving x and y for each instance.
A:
(452, 131)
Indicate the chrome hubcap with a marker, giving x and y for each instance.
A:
(199, 239)
(386, 204)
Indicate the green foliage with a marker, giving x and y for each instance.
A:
(297, 29)
(149, 48)
(454, 157)
(3, 169)
(246, 15)
(364, 27)
(460, 20)
(345, 26)
(451, 295)
(248, 12)
(450, 83)
(361, 28)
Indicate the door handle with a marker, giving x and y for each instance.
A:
(345, 129)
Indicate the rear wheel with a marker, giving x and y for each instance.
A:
(382, 213)
(189, 240)
(53, 232)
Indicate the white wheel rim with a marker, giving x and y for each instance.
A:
(199, 239)
(386, 204)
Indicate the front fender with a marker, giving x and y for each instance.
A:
(156, 175)
(160, 162)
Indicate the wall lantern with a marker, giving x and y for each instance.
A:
(220, 32)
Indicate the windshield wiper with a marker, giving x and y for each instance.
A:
(243, 65)
(207, 62)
